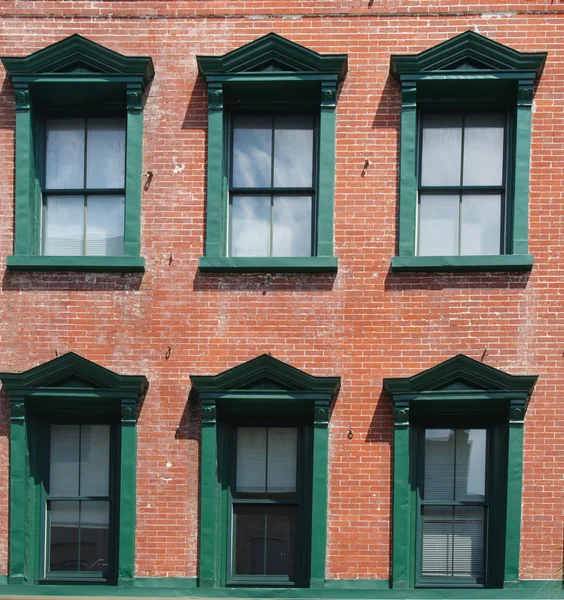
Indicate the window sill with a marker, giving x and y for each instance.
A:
(101, 264)
(462, 264)
(298, 264)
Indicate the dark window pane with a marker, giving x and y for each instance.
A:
(439, 464)
(94, 536)
(265, 540)
(64, 536)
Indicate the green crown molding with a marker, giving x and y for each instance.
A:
(275, 51)
(461, 369)
(467, 52)
(263, 367)
(83, 372)
(75, 51)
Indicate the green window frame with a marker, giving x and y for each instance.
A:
(69, 390)
(274, 74)
(263, 392)
(74, 77)
(459, 393)
(467, 72)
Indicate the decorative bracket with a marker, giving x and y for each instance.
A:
(128, 412)
(208, 414)
(401, 414)
(134, 98)
(215, 97)
(21, 92)
(17, 410)
(321, 413)
(328, 95)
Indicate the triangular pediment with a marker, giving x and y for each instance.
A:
(265, 372)
(460, 373)
(272, 53)
(71, 370)
(76, 55)
(468, 51)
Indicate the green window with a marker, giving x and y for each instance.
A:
(461, 209)
(78, 503)
(271, 157)
(73, 447)
(465, 143)
(458, 460)
(272, 191)
(79, 129)
(263, 504)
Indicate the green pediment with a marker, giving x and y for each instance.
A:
(272, 54)
(265, 372)
(76, 56)
(468, 51)
(458, 374)
(72, 370)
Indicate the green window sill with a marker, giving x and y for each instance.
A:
(297, 264)
(462, 264)
(101, 264)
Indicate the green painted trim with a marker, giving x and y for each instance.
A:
(19, 457)
(319, 503)
(326, 184)
(101, 264)
(299, 264)
(350, 590)
(458, 264)
(127, 501)
(402, 550)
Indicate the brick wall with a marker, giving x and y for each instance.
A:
(364, 324)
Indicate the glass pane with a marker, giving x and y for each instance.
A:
(282, 459)
(251, 460)
(291, 229)
(483, 149)
(105, 153)
(439, 464)
(252, 151)
(438, 225)
(250, 226)
(64, 536)
(436, 547)
(63, 463)
(265, 540)
(64, 225)
(64, 156)
(94, 536)
(470, 465)
(293, 151)
(105, 225)
(94, 460)
(480, 224)
(441, 149)
(468, 547)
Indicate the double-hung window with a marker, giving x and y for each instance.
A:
(266, 498)
(84, 187)
(271, 157)
(78, 143)
(272, 192)
(462, 205)
(78, 507)
(453, 507)
(465, 146)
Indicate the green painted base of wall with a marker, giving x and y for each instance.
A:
(346, 589)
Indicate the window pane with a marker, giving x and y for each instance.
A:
(291, 229)
(480, 224)
(252, 151)
(63, 464)
(251, 460)
(105, 164)
(470, 464)
(250, 226)
(94, 460)
(441, 150)
(105, 225)
(438, 225)
(94, 536)
(439, 464)
(265, 540)
(64, 536)
(483, 149)
(468, 547)
(293, 151)
(64, 225)
(436, 557)
(64, 156)
(282, 459)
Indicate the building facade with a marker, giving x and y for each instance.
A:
(282, 299)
